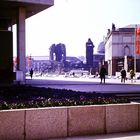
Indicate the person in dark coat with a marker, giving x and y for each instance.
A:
(102, 73)
(123, 75)
(31, 73)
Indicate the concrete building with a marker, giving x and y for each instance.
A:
(120, 49)
(16, 12)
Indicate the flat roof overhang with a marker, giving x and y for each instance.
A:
(8, 8)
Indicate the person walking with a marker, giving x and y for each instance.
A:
(123, 75)
(31, 73)
(132, 74)
(102, 73)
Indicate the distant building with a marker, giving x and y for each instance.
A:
(98, 60)
(73, 59)
(99, 57)
(101, 48)
(38, 63)
(58, 52)
(119, 49)
(74, 62)
(44, 64)
(89, 53)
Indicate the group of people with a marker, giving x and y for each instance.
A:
(103, 72)
(123, 75)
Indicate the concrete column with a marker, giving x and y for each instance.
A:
(21, 58)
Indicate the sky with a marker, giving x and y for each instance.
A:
(72, 22)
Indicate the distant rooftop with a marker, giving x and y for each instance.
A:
(101, 48)
(68, 58)
(40, 57)
(72, 58)
(132, 26)
(129, 29)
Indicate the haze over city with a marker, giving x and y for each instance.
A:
(72, 22)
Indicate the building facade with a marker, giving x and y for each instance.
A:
(120, 50)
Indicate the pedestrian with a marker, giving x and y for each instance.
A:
(31, 73)
(123, 75)
(132, 74)
(102, 73)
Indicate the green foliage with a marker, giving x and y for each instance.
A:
(19, 97)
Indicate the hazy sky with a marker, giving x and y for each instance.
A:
(72, 22)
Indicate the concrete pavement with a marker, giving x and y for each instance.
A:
(90, 85)
(114, 136)
(85, 84)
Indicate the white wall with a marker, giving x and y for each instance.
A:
(118, 45)
(108, 49)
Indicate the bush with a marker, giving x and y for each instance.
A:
(17, 97)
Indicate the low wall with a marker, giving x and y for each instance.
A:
(56, 122)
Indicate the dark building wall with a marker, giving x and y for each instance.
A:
(89, 53)
(89, 56)
(52, 48)
(59, 50)
(138, 65)
(118, 64)
(114, 64)
(6, 56)
(58, 53)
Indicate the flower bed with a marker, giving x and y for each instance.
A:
(16, 97)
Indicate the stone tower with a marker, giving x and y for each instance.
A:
(89, 53)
